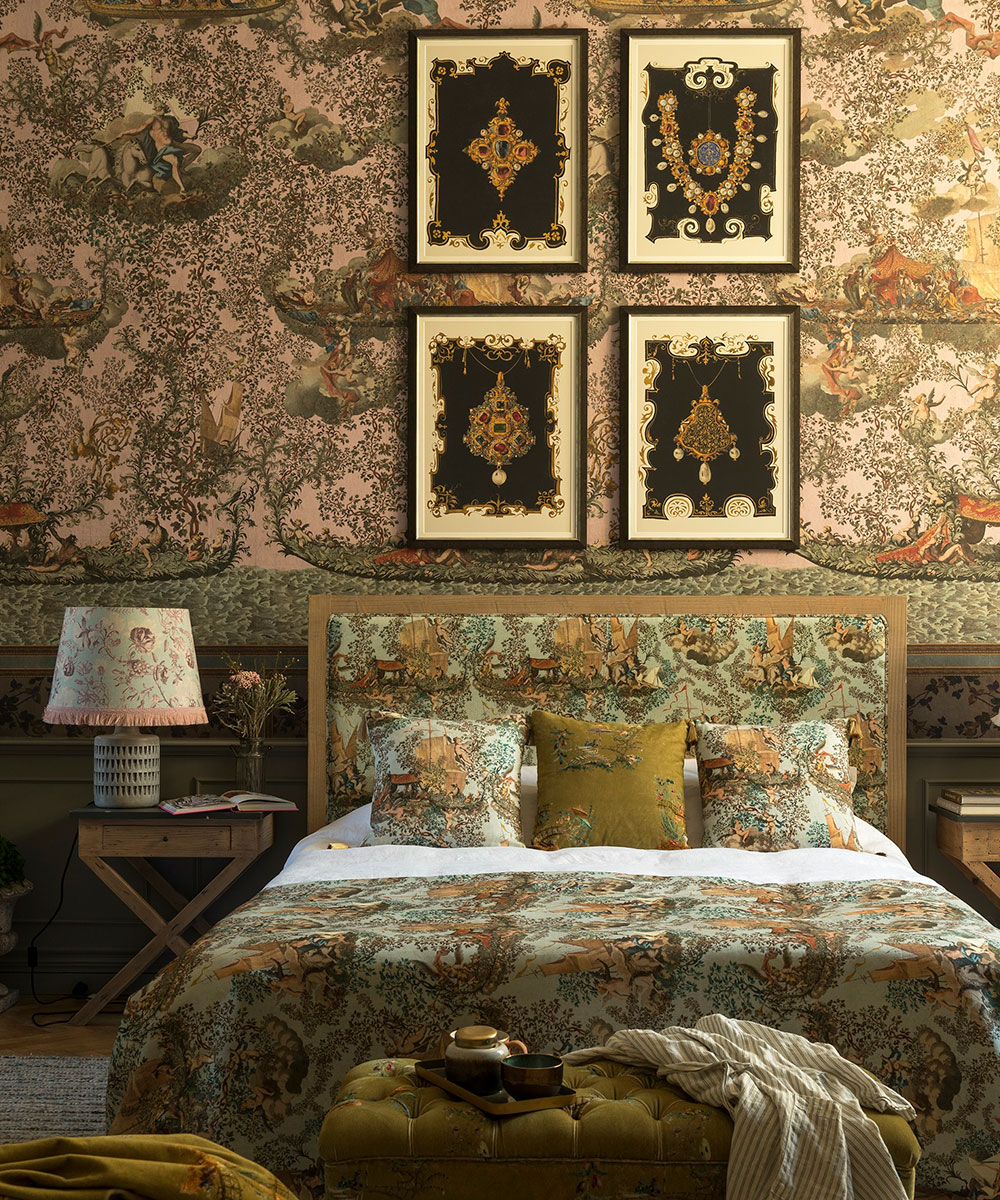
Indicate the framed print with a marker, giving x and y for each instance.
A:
(710, 150)
(498, 150)
(709, 421)
(496, 430)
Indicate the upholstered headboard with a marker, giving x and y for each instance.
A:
(755, 659)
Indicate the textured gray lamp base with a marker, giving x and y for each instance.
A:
(126, 769)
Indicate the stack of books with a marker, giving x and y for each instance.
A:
(972, 800)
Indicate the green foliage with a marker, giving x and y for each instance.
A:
(11, 864)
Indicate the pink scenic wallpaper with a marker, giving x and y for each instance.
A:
(203, 297)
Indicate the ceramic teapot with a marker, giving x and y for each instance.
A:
(473, 1055)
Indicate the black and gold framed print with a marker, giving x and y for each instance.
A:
(710, 150)
(709, 419)
(497, 439)
(498, 150)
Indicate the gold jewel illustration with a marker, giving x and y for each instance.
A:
(502, 149)
(709, 153)
(499, 429)
(705, 435)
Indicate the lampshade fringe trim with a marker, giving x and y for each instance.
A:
(62, 715)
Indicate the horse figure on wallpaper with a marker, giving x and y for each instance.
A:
(97, 164)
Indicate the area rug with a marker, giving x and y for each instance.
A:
(51, 1097)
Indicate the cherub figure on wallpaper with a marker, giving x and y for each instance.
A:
(986, 392)
(153, 541)
(296, 117)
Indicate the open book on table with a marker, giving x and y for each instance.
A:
(243, 801)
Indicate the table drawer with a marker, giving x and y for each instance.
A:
(166, 840)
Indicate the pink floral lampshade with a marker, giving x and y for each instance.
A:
(126, 666)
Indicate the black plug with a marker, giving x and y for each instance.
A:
(80, 990)
(32, 957)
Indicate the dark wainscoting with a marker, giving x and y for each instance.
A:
(41, 782)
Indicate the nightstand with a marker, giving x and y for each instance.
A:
(971, 843)
(140, 834)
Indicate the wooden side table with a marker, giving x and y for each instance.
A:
(971, 843)
(139, 834)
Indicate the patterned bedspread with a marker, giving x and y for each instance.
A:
(245, 1038)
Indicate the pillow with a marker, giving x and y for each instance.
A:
(692, 802)
(776, 787)
(602, 783)
(446, 783)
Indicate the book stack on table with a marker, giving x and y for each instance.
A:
(972, 800)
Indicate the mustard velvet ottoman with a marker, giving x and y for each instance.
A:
(629, 1134)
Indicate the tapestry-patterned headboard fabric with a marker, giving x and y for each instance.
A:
(621, 658)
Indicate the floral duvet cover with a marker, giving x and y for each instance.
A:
(245, 1038)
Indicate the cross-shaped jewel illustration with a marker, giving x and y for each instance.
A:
(501, 149)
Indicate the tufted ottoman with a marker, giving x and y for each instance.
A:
(629, 1135)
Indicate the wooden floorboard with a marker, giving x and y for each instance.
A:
(19, 1035)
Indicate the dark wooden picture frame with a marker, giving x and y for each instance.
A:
(497, 438)
(720, 199)
(498, 162)
(710, 465)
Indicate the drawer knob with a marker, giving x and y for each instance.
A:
(166, 837)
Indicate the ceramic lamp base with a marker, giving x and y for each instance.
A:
(126, 769)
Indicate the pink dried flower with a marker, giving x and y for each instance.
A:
(245, 679)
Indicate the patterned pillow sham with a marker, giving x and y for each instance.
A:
(605, 783)
(446, 783)
(776, 787)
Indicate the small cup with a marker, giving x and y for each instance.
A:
(532, 1076)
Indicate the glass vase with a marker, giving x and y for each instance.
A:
(250, 764)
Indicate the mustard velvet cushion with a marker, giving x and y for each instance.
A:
(604, 783)
(446, 783)
(776, 787)
(628, 1134)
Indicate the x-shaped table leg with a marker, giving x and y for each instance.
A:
(166, 933)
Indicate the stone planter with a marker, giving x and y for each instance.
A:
(9, 896)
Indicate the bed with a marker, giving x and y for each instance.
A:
(365, 951)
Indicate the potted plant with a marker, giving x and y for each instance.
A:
(13, 885)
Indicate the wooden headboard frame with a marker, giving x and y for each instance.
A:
(892, 608)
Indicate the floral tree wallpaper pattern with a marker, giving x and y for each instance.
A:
(203, 299)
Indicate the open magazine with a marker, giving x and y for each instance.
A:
(243, 801)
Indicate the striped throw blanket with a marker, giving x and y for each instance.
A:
(798, 1129)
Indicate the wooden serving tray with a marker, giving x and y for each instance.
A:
(497, 1105)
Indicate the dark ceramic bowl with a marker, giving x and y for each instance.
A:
(532, 1076)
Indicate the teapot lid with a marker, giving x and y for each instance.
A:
(476, 1036)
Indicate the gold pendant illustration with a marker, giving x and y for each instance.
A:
(705, 435)
(499, 429)
(501, 149)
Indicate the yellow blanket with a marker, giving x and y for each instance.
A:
(142, 1167)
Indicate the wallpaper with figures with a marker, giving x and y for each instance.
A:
(203, 295)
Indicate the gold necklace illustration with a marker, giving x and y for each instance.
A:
(499, 429)
(704, 433)
(708, 154)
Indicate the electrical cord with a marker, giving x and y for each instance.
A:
(33, 949)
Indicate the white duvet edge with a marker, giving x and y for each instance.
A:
(312, 862)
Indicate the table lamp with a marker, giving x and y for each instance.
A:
(126, 667)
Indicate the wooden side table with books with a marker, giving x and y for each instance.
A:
(968, 833)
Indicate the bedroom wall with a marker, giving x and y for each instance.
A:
(202, 391)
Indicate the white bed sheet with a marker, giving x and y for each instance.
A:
(312, 861)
